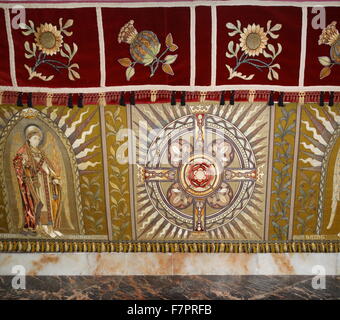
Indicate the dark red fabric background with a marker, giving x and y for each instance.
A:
(85, 35)
(203, 46)
(5, 77)
(161, 21)
(289, 38)
(314, 50)
(177, 22)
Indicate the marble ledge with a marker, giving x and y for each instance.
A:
(200, 287)
(105, 264)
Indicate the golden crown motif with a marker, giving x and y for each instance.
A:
(199, 109)
(29, 113)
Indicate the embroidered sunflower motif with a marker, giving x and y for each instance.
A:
(253, 40)
(48, 39)
(329, 36)
(255, 49)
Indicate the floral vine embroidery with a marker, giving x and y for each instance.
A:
(49, 41)
(330, 36)
(307, 200)
(144, 48)
(282, 172)
(253, 41)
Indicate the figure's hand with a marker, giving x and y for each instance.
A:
(24, 159)
(55, 181)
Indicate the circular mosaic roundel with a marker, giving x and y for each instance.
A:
(200, 172)
(200, 176)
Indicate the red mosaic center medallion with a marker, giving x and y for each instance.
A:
(200, 175)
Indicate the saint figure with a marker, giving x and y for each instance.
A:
(39, 186)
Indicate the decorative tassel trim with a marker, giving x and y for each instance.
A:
(262, 95)
(102, 99)
(111, 97)
(302, 95)
(251, 96)
(70, 101)
(203, 96)
(183, 98)
(173, 98)
(29, 100)
(132, 99)
(312, 97)
(80, 103)
(153, 96)
(61, 99)
(122, 100)
(144, 96)
(163, 96)
(271, 99)
(90, 98)
(19, 100)
(222, 100)
(166, 247)
(331, 99)
(49, 98)
(280, 101)
(232, 98)
(322, 99)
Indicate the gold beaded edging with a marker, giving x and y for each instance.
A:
(26, 246)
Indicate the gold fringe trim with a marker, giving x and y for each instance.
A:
(1, 94)
(168, 247)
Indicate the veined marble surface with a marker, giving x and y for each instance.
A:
(200, 287)
(105, 264)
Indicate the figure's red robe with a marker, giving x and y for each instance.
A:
(30, 200)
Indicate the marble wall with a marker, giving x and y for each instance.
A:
(149, 276)
(104, 264)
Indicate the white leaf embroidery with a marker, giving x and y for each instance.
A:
(325, 61)
(169, 59)
(130, 71)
